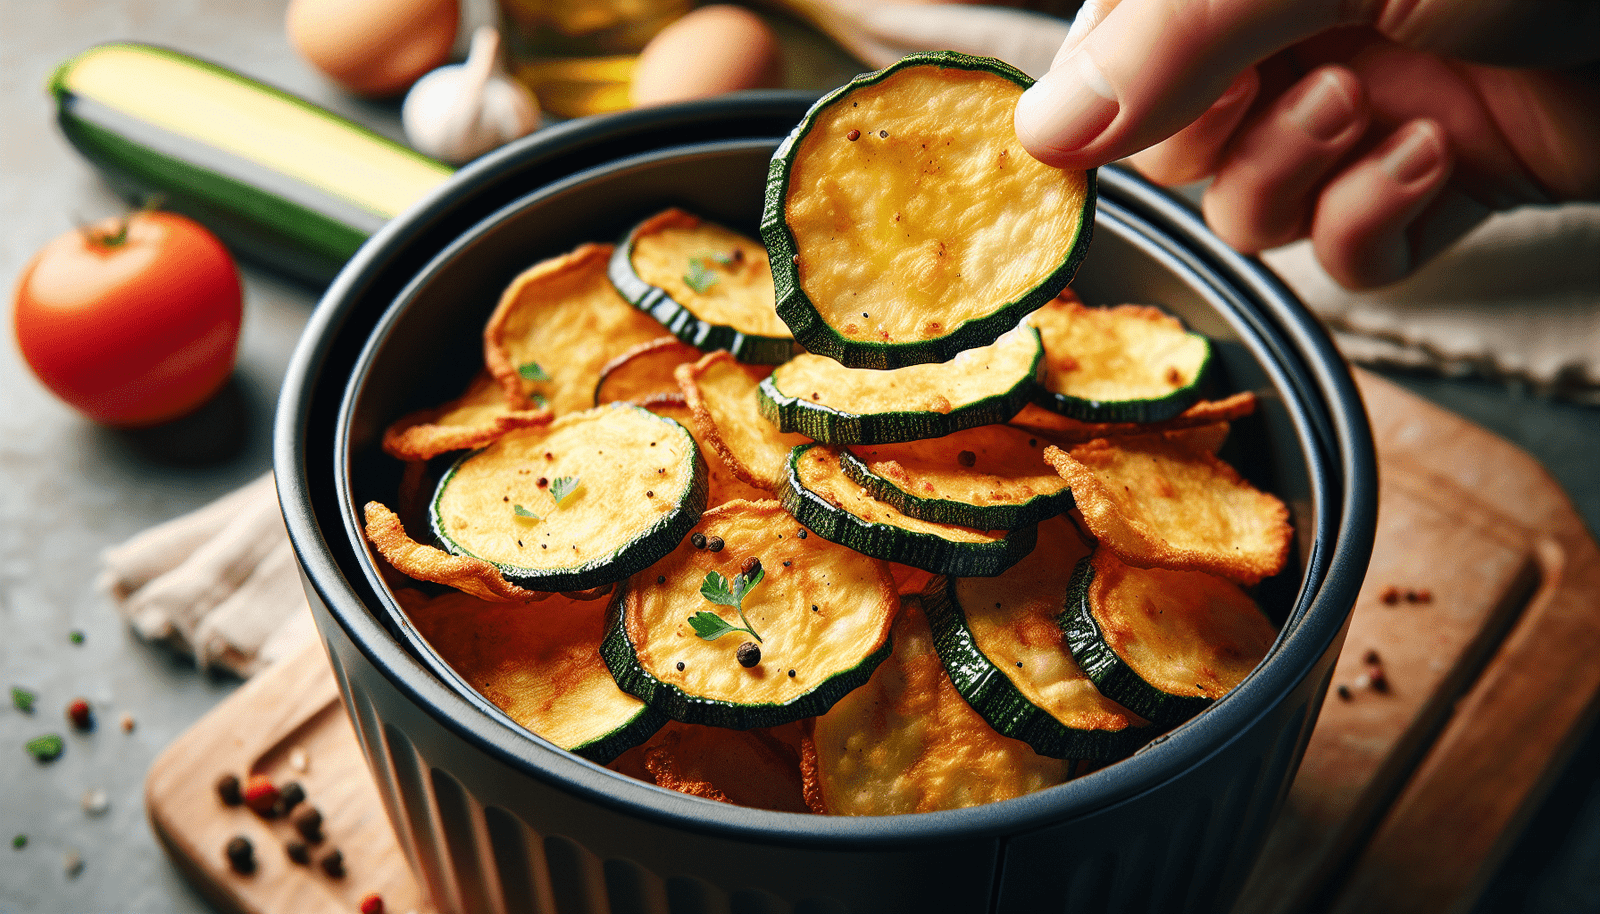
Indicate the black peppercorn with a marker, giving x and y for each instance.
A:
(229, 790)
(241, 855)
(749, 654)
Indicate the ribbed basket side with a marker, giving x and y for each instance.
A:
(1168, 854)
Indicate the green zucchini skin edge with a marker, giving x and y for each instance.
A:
(796, 309)
(685, 324)
(1114, 678)
(824, 423)
(230, 195)
(1154, 409)
(603, 749)
(894, 544)
(636, 555)
(619, 654)
(992, 694)
(950, 511)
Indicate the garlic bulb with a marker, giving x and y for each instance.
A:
(461, 111)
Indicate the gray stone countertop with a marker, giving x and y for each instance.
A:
(69, 489)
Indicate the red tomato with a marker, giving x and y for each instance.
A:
(134, 330)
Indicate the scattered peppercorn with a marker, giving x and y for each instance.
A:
(802, 534)
(787, 563)
(289, 796)
(333, 864)
(680, 666)
(751, 566)
(79, 715)
(715, 543)
(372, 904)
(298, 851)
(307, 821)
(241, 855)
(1371, 656)
(966, 458)
(1379, 679)
(229, 790)
(791, 674)
(1390, 595)
(883, 134)
(1421, 595)
(749, 654)
(261, 795)
(853, 135)
(45, 748)
(698, 540)
(1344, 692)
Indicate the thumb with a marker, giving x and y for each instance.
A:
(1132, 76)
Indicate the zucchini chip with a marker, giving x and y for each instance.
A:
(722, 395)
(908, 742)
(583, 503)
(1005, 653)
(991, 477)
(822, 399)
(1163, 503)
(1165, 644)
(758, 768)
(643, 374)
(425, 563)
(694, 637)
(541, 666)
(556, 327)
(819, 494)
(1065, 431)
(472, 420)
(709, 286)
(1129, 363)
(905, 221)
(722, 483)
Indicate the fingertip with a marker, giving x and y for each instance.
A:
(1065, 111)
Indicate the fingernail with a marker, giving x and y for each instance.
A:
(1088, 16)
(1415, 156)
(1324, 110)
(1068, 107)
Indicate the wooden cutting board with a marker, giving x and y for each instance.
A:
(1407, 800)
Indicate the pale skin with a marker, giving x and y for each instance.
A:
(1382, 130)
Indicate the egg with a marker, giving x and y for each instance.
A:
(373, 48)
(712, 50)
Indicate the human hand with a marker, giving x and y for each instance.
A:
(1382, 130)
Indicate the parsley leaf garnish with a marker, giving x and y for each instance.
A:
(22, 699)
(520, 511)
(46, 748)
(718, 589)
(700, 278)
(562, 486)
(533, 372)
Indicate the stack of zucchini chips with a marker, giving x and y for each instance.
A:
(872, 516)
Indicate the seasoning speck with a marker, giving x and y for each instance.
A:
(19, 842)
(333, 864)
(853, 135)
(698, 540)
(298, 851)
(45, 748)
(661, 579)
(308, 822)
(126, 723)
(241, 855)
(72, 863)
(75, 636)
(715, 543)
(751, 566)
(96, 801)
(372, 903)
(967, 458)
(791, 674)
(22, 699)
(229, 790)
(883, 134)
(1344, 692)
(680, 666)
(749, 654)
(261, 795)
(289, 797)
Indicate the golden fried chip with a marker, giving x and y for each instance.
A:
(474, 419)
(1064, 431)
(759, 768)
(557, 326)
(1159, 503)
(727, 417)
(425, 563)
(541, 665)
(644, 372)
(723, 484)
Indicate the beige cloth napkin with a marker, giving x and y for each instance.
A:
(219, 583)
(1516, 300)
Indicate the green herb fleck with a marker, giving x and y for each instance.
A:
(19, 842)
(726, 258)
(22, 699)
(75, 636)
(538, 401)
(700, 278)
(532, 372)
(562, 486)
(45, 748)
(716, 588)
(520, 511)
